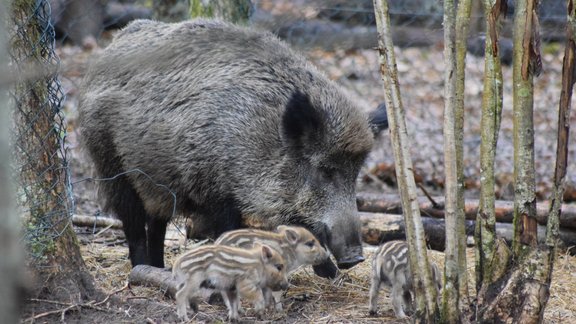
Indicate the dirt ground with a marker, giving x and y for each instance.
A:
(310, 298)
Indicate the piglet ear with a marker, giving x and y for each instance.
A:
(266, 253)
(291, 235)
(302, 123)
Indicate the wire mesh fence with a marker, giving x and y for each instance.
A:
(39, 131)
(338, 36)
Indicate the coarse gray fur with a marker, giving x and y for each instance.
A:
(233, 122)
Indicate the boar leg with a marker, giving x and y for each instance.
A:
(398, 300)
(212, 220)
(130, 209)
(156, 233)
(182, 301)
(374, 291)
(232, 302)
(277, 300)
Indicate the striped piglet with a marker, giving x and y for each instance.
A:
(234, 272)
(296, 244)
(391, 266)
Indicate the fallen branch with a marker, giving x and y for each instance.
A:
(62, 311)
(145, 275)
(378, 228)
(91, 221)
(391, 204)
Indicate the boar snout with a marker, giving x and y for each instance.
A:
(350, 262)
(326, 269)
(351, 257)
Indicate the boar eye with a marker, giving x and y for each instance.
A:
(279, 266)
(310, 244)
(328, 172)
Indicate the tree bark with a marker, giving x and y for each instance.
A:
(426, 307)
(11, 279)
(52, 244)
(490, 126)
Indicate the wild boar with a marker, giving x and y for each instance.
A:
(232, 122)
(297, 246)
(391, 267)
(234, 272)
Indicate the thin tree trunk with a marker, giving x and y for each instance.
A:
(52, 244)
(11, 264)
(521, 296)
(490, 126)
(451, 291)
(462, 28)
(455, 34)
(525, 43)
(426, 307)
(568, 70)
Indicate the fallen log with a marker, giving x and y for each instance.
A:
(391, 204)
(378, 228)
(145, 275)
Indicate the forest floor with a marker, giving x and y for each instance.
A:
(310, 298)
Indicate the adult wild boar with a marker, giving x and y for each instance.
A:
(233, 122)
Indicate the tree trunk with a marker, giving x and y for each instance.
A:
(426, 307)
(520, 296)
(39, 133)
(462, 28)
(490, 126)
(568, 70)
(11, 279)
(237, 12)
(524, 67)
(455, 34)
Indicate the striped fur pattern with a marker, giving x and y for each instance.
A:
(234, 272)
(297, 245)
(391, 267)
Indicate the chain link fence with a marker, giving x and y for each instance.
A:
(39, 129)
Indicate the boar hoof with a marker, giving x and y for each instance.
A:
(349, 263)
(327, 269)
(373, 313)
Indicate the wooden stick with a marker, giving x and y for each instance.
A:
(102, 221)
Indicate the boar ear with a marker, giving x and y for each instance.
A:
(266, 253)
(291, 235)
(378, 119)
(302, 124)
